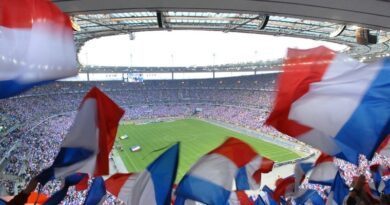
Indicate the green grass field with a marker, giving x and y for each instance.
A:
(197, 138)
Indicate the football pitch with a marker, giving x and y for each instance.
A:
(196, 138)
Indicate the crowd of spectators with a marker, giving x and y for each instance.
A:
(44, 114)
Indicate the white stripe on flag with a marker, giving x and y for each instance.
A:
(45, 52)
(215, 168)
(144, 192)
(331, 102)
(126, 191)
(83, 133)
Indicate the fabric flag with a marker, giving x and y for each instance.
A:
(259, 201)
(121, 185)
(152, 186)
(183, 201)
(96, 193)
(249, 176)
(173, 194)
(58, 196)
(384, 147)
(268, 196)
(386, 190)
(83, 184)
(36, 45)
(210, 180)
(333, 102)
(239, 198)
(283, 201)
(284, 187)
(378, 184)
(324, 171)
(309, 196)
(338, 191)
(36, 197)
(300, 171)
(86, 147)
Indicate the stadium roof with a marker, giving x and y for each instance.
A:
(313, 19)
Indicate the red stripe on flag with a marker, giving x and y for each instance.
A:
(301, 68)
(283, 186)
(115, 183)
(23, 13)
(109, 115)
(243, 198)
(265, 167)
(384, 144)
(83, 184)
(236, 150)
(323, 158)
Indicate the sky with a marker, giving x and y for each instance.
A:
(190, 48)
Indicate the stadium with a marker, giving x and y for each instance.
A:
(199, 101)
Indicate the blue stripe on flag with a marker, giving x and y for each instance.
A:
(268, 190)
(163, 172)
(283, 201)
(311, 195)
(301, 199)
(46, 175)
(365, 130)
(197, 189)
(269, 193)
(66, 157)
(9, 88)
(386, 190)
(259, 201)
(242, 179)
(71, 155)
(96, 192)
(377, 178)
(306, 166)
(340, 189)
(180, 200)
(325, 183)
(57, 197)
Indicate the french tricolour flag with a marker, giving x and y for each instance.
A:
(378, 184)
(300, 171)
(240, 198)
(284, 187)
(121, 185)
(153, 186)
(210, 180)
(97, 192)
(249, 176)
(36, 45)
(266, 196)
(333, 102)
(309, 196)
(324, 170)
(338, 191)
(89, 141)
